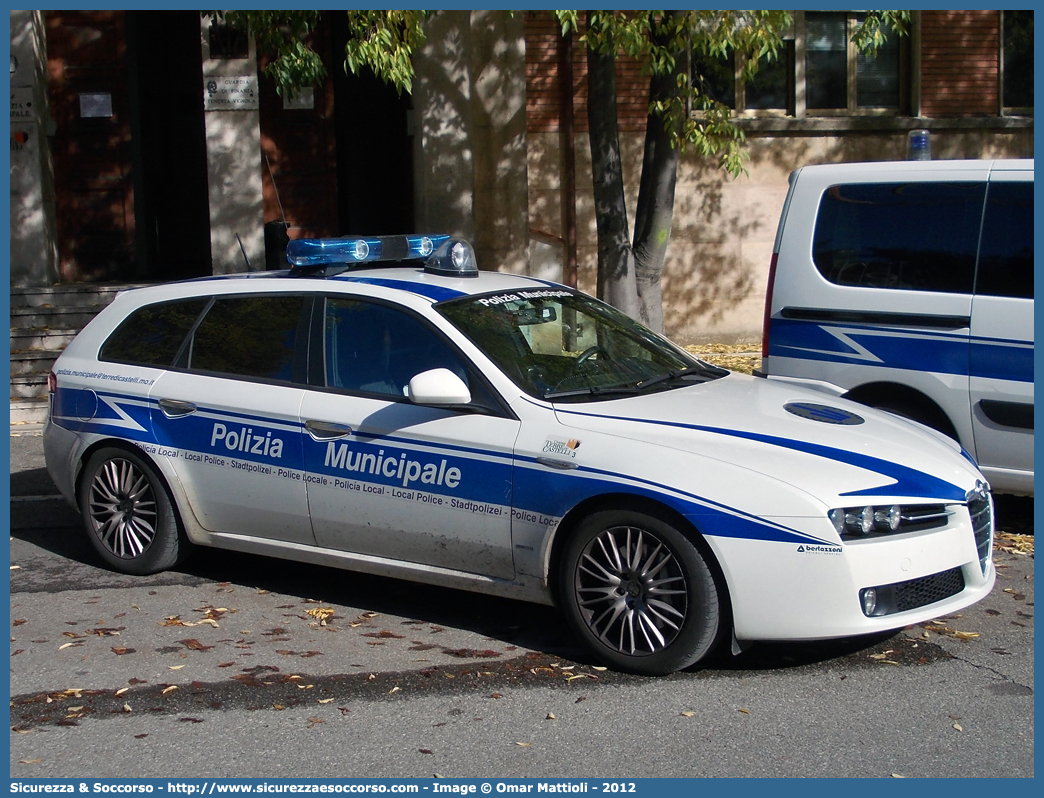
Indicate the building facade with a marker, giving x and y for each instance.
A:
(148, 145)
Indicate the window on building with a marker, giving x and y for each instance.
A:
(1017, 61)
(839, 77)
(834, 78)
(770, 89)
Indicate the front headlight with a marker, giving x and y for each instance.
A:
(861, 522)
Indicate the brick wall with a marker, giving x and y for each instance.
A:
(959, 63)
(542, 83)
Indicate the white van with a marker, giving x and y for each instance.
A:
(908, 286)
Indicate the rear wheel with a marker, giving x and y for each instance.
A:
(128, 513)
(639, 593)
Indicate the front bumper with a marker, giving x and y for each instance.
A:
(789, 591)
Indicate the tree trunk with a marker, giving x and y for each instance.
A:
(616, 271)
(655, 212)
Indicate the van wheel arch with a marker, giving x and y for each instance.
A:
(902, 400)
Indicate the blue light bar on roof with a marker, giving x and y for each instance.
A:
(315, 252)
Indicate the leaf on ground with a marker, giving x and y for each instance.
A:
(688, 714)
(550, 716)
(127, 708)
(28, 761)
(194, 645)
(121, 691)
(523, 745)
(19, 621)
(744, 711)
(121, 650)
(958, 727)
(170, 689)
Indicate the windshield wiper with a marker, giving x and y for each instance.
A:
(674, 375)
(594, 390)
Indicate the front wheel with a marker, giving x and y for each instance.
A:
(639, 593)
(129, 515)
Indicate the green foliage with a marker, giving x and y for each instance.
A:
(658, 37)
(384, 41)
(283, 36)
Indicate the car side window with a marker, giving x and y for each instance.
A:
(252, 336)
(374, 348)
(152, 335)
(1006, 251)
(918, 236)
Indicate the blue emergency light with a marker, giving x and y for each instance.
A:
(309, 253)
(449, 257)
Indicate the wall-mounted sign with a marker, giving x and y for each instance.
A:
(95, 105)
(236, 93)
(22, 104)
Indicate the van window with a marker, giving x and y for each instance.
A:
(152, 335)
(1006, 252)
(910, 236)
(251, 336)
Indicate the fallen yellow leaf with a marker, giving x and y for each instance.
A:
(523, 745)
(175, 667)
(744, 711)
(325, 700)
(958, 727)
(170, 689)
(688, 714)
(122, 690)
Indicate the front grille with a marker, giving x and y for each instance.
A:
(982, 522)
(903, 596)
(928, 590)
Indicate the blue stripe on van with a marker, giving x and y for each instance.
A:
(939, 353)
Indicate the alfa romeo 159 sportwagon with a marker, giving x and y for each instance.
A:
(383, 406)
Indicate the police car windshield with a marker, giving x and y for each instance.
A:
(562, 345)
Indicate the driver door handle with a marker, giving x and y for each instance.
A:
(327, 431)
(173, 408)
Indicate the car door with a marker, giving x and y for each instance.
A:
(392, 479)
(1001, 365)
(228, 416)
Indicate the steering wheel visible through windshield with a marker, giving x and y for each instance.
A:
(559, 344)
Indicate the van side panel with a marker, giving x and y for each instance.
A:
(878, 303)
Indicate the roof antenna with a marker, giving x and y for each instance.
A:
(279, 202)
(243, 250)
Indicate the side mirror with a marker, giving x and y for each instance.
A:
(439, 387)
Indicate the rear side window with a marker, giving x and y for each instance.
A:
(152, 335)
(252, 336)
(907, 236)
(1006, 252)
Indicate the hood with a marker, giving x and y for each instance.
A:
(838, 451)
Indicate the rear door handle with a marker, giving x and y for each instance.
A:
(327, 431)
(172, 408)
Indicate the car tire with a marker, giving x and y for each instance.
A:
(639, 593)
(128, 513)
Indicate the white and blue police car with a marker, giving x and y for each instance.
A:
(420, 419)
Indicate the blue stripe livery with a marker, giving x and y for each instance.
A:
(904, 481)
(436, 293)
(939, 353)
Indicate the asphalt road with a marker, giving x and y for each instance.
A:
(238, 666)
